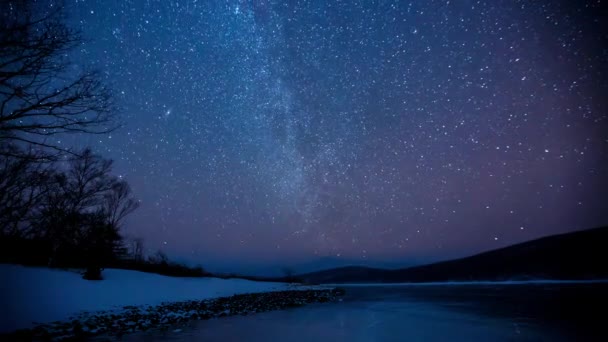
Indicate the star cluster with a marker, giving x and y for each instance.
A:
(388, 130)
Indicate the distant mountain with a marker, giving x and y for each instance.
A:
(325, 263)
(577, 255)
(277, 270)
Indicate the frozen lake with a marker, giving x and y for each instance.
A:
(539, 312)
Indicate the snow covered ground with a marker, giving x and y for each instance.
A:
(31, 295)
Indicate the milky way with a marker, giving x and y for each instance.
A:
(371, 130)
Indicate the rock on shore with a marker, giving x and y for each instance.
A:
(132, 318)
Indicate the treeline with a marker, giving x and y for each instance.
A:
(159, 263)
(66, 213)
(59, 206)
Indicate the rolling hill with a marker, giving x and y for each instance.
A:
(579, 255)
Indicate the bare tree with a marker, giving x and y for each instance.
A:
(89, 181)
(118, 203)
(22, 188)
(138, 250)
(102, 202)
(43, 95)
(74, 203)
(83, 210)
(159, 258)
(40, 95)
(71, 194)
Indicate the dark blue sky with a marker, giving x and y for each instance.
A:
(274, 132)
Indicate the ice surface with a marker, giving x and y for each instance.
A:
(352, 321)
(478, 312)
(469, 283)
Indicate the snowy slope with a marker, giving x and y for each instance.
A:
(42, 295)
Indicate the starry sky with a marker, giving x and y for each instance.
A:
(267, 132)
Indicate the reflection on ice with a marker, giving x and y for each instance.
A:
(418, 313)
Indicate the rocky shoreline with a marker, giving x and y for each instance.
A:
(131, 319)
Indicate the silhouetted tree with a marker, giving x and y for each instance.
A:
(159, 258)
(100, 243)
(118, 203)
(82, 212)
(138, 250)
(21, 189)
(63, 199)
(103, 239)
(40, 95)
(73, 197)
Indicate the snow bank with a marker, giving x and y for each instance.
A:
(31, 295)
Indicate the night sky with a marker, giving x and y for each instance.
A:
(268, 132)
